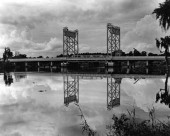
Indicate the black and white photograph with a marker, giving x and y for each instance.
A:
(84, 68)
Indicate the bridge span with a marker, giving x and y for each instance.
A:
(102, 58)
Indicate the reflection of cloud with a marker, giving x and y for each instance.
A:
(40, 113)
(144, 93)
(37, 113)
(27, 118)
(24, 110)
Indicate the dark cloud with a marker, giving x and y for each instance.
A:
(123, 11)
(14, 134)
(101, 12)
(24, 16)
(45, 20)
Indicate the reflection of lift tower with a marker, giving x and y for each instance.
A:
(113, 38)
(70, 42)
(113, 92)
(71, 89)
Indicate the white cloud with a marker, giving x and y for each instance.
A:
(39, 23)
(143, 35)
(18, 41)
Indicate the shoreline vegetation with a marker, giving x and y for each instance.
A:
(128, 124)
(131, 125)
(6, 66)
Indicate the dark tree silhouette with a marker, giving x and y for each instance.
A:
(143, 53)
(136, 52)
(130, 53)
(21, 56)
(8, 79)
(7, 54)
(163, 14)
(165, 44)
(40, 57)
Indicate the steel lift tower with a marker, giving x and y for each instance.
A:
(113, 38)
(71, 89)
(70, 42)
(113, 92)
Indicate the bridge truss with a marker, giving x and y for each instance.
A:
(71, 89)
(113, 38)
(113, 92)
(70, 42)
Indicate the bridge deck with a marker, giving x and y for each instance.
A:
(114, 58)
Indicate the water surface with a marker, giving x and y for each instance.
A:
(34, 104)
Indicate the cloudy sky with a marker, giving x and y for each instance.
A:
(35, 27)
(24, 111)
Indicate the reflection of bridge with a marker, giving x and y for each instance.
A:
(95, 75)
(91, 76)
(71, 91)
(71, 87)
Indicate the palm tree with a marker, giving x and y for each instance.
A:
(164, 43)
(163, 14)
(163, 95)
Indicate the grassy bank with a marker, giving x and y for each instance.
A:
(130, 125)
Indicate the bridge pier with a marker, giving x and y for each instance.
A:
(128, 67)
(113, 64)
(133, 64)
(147, 70)
(128, 63)
(51, 69)
(51, 64)
(147, 63)
(38, 63)
(26, 64)
(147, 67)
(64, 64)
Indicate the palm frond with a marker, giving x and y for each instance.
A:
(163, 14)
(157, 43)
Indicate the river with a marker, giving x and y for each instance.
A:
(56, 103)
